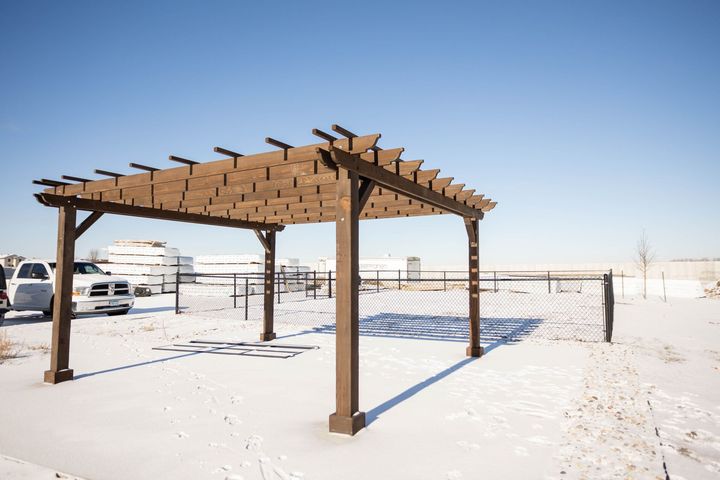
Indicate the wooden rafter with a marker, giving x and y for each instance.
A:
(286, 186)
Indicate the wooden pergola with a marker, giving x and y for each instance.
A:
(344, 179)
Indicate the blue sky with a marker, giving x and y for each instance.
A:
(586, 121)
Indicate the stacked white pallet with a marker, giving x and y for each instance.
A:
(149, 263)
(219, 275)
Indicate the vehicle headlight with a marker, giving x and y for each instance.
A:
(82, 292)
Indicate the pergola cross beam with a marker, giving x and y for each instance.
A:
(51, 200)
(395, 183)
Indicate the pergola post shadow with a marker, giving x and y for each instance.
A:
(347, 419)
(62, 299)
(474, 349)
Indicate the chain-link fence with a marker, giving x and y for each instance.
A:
(422, 305)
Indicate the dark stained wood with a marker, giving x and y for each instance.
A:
(325, 136)
(277, 143)
(75, 179)
(143, 167)
(366, 190)
(87, 223)
(347, 418)
(239, 170)
(108, 174)
(62, 300)
(396, 183)
(186, 161)
(343, 131)
(227, 152)
(263, 240)
(471, 226)
(144, 212)
(268, 332)
(49, 183)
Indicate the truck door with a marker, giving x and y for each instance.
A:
(42, 290)
(20, 287)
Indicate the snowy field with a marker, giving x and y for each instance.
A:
(530, 408)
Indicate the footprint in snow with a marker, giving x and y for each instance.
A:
(253, 442)
(182, 435)
(232, 419)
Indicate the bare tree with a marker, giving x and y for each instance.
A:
(94, 255)
(644, 257)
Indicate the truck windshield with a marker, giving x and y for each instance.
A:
(83, 268)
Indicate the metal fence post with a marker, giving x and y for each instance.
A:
(377, 280)
(314, 284)
(399, 286)
(611, 309)
(605, 304)
(444, 281)
(495, 281)
(247, 296)
(234, 290)
(278, 286)
(329, 283)
(177, 292)
(549, 290)
(664, 293)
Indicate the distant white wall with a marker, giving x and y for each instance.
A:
(705, 272)
(682, 279)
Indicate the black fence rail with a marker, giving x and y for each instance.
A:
(431, 305)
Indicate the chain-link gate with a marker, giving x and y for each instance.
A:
(423, 305)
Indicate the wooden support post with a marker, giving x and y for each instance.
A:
(474, 349)
(347, 419)
(268, 332)
(62, 301)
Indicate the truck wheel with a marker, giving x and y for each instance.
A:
(49, 312)
(119, 312)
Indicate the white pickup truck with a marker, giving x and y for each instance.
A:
(32, 287)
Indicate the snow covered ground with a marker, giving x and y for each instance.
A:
(528, 409)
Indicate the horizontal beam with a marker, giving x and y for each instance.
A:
(182, 160)
(50, 200)
(395, 183)
(277, 143)
(75, 179)
(143, 167)
(324, 135)
(49, 183)
(227, 152)
(108, 174)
